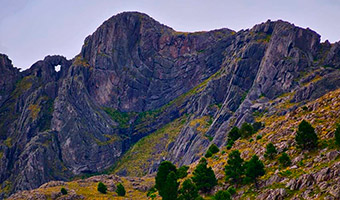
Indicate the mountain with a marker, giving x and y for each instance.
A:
(140, 92)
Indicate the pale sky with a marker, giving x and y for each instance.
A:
(32, 29)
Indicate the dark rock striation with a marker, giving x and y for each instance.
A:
(135, 75)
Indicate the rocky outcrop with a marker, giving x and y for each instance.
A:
(134, 76)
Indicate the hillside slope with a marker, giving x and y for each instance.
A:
(135, 78)
(312, 174)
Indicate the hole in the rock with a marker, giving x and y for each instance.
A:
(57, 68)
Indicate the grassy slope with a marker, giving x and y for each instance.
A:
(322, 113)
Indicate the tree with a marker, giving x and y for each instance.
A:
(120, 190)
(337, 135)
(63, 191)
(234, 134)
(234, 169)
(306, 137)
(246, 130)
(257, 126)
(171, 187)
(212, 150)
(102, 187)
(270, 151)
(204, 177)
(182, 172)
(222, 195)
(284, 160)
(188, 191)
(163, 171)
(254, 169)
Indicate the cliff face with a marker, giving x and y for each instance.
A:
(133, 77)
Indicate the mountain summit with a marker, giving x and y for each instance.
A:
(135, 77)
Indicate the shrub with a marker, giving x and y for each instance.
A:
(270, 151)
(257, 126)
(151, 193)
(254, 168)
(163, 171)
(208, 154)
(246, 130)
(251, 140)
(234, 134)
(188, 191)
(231, 190)
(222, 195)
(170, 190)
(337, 135)
(306, 137)
(204, 177)
(258, 137)
(213, 149)
(102, 187)
(284, 160)
(120, 190)
(63, 191)
(234, 168)
(229, 146)
(182, 172)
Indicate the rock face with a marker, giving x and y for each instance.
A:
(135, 75)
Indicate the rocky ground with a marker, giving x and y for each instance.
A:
(312, 174)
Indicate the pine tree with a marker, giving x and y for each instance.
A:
(182, 172)
(120, 190)
(170, 189)
(204, 177)
(163, 171)
(234, 134)
(270, 151)
(234, 168)
(246, 130)
(284, 160)
(102, 187)
(254, 169)
(306, 137)
(188, 191)
(222, 195)
(337, 135)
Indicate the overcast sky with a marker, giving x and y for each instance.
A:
(32, 29)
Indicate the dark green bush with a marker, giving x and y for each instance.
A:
(306, 137)
(258, 137)
(222, 195)
(102, 187)
(257, 126)
(254, 168)
(182, 172)
(234, 134)
(170, 190)
(188, 191)
(120, 190)
(204, 177)
(63, 191)
(213, 149)
(246, 130)
(337, 135)
(234, 168)
(163, 171)
(208, 154)
(270, 151)
(284, 160)
(231, 190)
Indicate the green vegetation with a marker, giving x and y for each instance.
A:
(284, 160)
(120, 190)
(188, 191)
(254, 168)
(234, 134)
(246, 130)
(257, 126)
(212, 150)
(182, 172)
(164, 170)
(122, 118)
(234, 169)
(306, 137)
(222, 195)
(270, 151)
(63, 191)
(337, 135)
(170, 190)
(102, 187)
(258, 137)
(204, 177)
